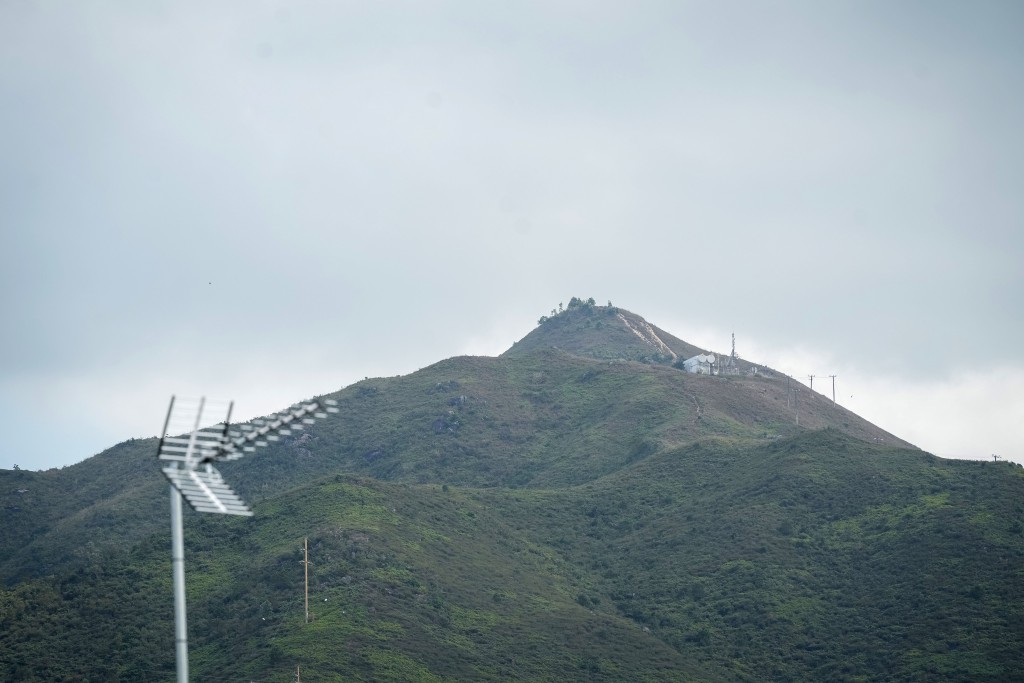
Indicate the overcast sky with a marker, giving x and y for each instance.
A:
(270, 200)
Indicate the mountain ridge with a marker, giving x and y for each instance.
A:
(537, 415)
(577, 508)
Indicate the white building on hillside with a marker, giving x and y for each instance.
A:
(701, 364)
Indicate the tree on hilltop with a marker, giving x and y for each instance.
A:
(575, 304)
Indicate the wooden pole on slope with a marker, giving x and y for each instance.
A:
(796, 402)
(305, 563)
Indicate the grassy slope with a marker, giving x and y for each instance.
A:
(601, 519)
(544, 419)
(79, 514)
(409, 583)
(523, 409)
(817, 558)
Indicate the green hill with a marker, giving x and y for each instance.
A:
(573, 509)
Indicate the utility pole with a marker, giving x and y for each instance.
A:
(305, 562)
(796, 403)
(298, 673)
(812, 382)
(833, 389)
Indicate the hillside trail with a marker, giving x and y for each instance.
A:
(654, 340)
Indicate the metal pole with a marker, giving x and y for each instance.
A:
(178, 567)
(178, 562)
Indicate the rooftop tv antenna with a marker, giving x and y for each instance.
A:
(188, 465)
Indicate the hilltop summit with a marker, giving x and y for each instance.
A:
(752, 398)
(604, 332)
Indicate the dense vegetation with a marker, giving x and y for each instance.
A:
(552, 514)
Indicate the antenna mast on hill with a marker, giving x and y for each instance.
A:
(188, 465)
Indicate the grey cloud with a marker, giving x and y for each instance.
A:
(184, 181)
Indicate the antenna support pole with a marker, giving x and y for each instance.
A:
(178, 568)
